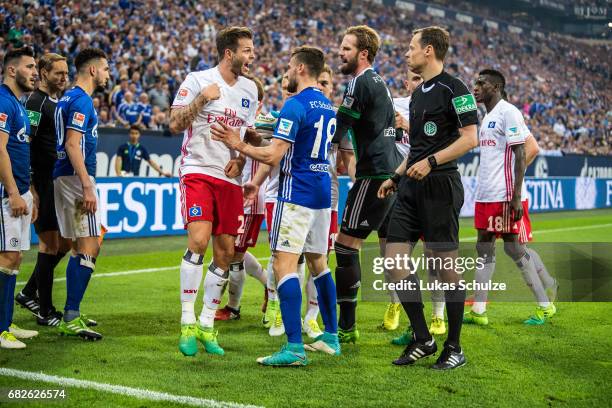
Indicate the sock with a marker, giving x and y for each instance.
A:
(348, 281)
(45, 264)
(437, 296)
(301, 271)
(290, 297)
(11, 304)
(392, 294)
(237, 275)
(191, 278)
(530, 276)
(455, 304)
(326, 291)
(271, 282)
(547, 280)
(6, 298)
(412, 303)
(79, 270)
(312, 309)
(214, 282)
(253, 268)
(483, 276)
(31, 286)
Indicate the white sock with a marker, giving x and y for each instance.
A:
(312, 309)
(392, 294)
(253, 268)
(301, 272)
(213, 289)
(547, 280)
(482, 276)
(191, 278)
(271, 282)
(437, 296)
(237, 277)
(530, 275)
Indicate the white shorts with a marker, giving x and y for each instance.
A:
(73, 223)
(15, 231)
(298, 229)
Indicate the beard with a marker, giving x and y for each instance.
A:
(292, 85)
(237, 65)
(100, 84)
(349, 66)
(23, 83)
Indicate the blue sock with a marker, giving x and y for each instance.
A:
(78, 273)
(5, 299)
(290, 297)
(11, 297)
(326, 295)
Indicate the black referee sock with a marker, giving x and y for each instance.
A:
(31, 286)
(45, 264)
(455, 303)
(412, 303)
(348, 281)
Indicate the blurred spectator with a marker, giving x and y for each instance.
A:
(159, 95)
(131, 154)
(145, 109)
(128, 112)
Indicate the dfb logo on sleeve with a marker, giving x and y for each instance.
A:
(182, 94)
(245, 103)
(3, 119)
(78, 119)
(284, 127)
(348, 101)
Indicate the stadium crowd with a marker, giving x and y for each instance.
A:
(562, 85)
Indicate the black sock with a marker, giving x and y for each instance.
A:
(412, 303)
(31, 286)
(348, 280)
(45, 264)
(455, 301)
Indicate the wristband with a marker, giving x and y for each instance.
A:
(396, 178)
(432, 161)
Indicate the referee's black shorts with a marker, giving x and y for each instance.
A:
(364, 212)
(47, 219)
(428, 208)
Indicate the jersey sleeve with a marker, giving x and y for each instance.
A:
(79, 112)
(289, 121)
(33, 108)
(145, 153)
(355, 98)
(187, 92)
(515, 129)
(7, 113)
(120, 150)
(464, 105)
(346, 143)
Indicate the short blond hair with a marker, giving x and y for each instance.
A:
(367, 39)
(46, 61)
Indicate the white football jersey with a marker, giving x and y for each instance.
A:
(332, 156)
(501, 128)
(236, 107)
(402, 106)
(258, 206)
(272, 186)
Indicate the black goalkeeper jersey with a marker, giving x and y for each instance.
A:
(41, 112)
(367, 109)
(438, 109)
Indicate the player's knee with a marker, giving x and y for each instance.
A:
(514, 250)
(11, 260)
(485, 249)
(198, 243)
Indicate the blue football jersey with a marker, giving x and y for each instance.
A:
(75, 110)
(14, 122)
(308, 122)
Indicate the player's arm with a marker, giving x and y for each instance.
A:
(520, 164)
(158, 169)
(351, 109)
(348, 158)
(75, 155)
(250, 190)
(389, 186)
(531, 149)
(18, 205)
(35, 203)
(188, 103)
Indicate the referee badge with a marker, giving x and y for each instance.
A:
(430, 128)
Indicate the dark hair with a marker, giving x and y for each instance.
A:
(228, 39)
(87, 55)
(135, 127)
(367, 39)
(312, 57)
(17, 53)
(496, 78)
(437, 37)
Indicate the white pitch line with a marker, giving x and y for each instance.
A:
(128, 272)
(550, 231)
(121, 390)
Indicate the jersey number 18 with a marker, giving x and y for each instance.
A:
(331, 129)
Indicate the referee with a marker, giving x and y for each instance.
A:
(40, 106)
(443, 120)
(367, 110)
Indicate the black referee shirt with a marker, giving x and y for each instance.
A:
(41, 112)
(438, 109)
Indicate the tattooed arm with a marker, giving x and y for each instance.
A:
(182, 117)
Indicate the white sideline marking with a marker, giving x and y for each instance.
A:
(122, 390)
(128, 272)
(549, 231)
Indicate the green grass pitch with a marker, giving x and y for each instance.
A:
(564, 363)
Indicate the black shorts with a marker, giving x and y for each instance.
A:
(428, 208)
(364, 212)
(47, 219)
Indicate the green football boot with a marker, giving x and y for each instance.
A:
(208, 338)
(348, 336)
(478, 319)
(541, 314)
(290, 355)
(188, 344)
